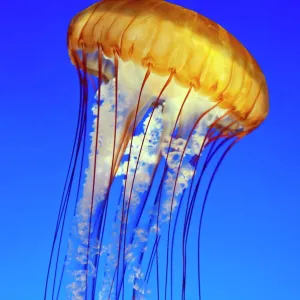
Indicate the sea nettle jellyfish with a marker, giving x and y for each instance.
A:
(172, 92)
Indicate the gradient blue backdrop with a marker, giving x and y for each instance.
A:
(251, 239)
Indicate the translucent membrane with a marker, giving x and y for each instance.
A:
(136, 231)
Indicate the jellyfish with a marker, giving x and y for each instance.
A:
(167, 93)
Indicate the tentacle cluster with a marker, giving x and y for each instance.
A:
(140, 184)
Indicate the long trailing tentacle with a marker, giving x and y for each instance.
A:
(94, 165)
(78, 146)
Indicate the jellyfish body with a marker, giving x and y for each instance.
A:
(174, 92)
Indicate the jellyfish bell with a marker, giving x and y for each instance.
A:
(170, 39)
(173, 89)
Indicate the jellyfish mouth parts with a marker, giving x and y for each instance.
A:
(151, 145)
